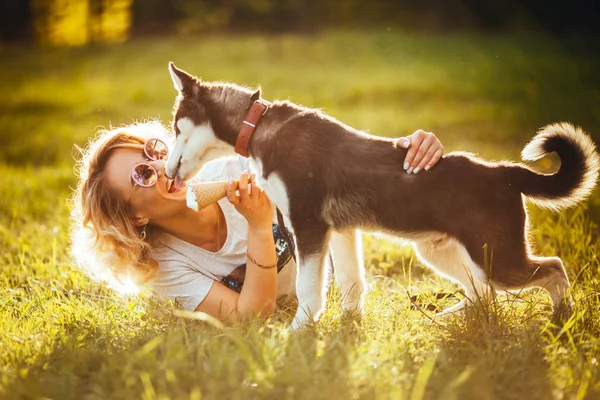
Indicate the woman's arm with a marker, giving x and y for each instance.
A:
(259, 292)
(424, 151)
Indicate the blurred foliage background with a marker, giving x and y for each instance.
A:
(455, 66)
(77, 22)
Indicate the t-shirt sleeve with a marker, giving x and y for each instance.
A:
(180, 283)
(223, 169)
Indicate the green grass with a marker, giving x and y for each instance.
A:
(64, 336)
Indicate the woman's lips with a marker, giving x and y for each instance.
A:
(175, 185)
(170, 186)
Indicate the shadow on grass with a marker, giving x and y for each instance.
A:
(187, 359)
(492, 352)
(77, 365)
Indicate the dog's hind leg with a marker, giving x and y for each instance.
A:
(450, 258)
(547, 273)
(551, 275)
(310, 287)
(346, 248)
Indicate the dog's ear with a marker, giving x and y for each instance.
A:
(181, 79)
(256, 95)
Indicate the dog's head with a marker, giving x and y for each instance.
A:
(207, 119)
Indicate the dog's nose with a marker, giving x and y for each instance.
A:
(172, 172)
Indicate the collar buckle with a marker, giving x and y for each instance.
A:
(264, 103)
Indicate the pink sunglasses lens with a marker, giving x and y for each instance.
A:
(144, 175)
(156, 149)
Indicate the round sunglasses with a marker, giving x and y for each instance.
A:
(144, 174)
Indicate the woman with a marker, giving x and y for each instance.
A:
(229, 260)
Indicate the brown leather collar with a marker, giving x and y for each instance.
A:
(257, 110)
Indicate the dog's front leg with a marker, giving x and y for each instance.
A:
(310, 287)
(346, 248)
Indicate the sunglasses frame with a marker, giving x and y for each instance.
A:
(133, 174)
(145, 164)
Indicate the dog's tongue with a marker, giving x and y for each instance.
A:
(178, 183)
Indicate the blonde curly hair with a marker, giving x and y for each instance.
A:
(105, 243)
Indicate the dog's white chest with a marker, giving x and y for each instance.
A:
(273, 186)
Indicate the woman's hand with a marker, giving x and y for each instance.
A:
(253, 204)
(424, 151)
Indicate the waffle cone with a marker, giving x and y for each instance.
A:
(208, 193)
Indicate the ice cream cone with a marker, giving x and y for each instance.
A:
(206, 193)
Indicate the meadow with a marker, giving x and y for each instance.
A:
(63, 335)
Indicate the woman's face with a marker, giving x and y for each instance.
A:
(148, 204)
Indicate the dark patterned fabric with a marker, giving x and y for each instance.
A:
(235, 280)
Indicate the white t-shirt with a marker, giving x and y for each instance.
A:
(187, 272)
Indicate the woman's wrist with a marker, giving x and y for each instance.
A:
(261, 245)
(263, 264)
(261, 227)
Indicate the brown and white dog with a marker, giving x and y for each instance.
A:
(466, 217)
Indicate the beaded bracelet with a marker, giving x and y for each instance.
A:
(253, 261)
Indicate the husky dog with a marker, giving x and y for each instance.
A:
(466, 217)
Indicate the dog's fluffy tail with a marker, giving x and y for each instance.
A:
(579, 164)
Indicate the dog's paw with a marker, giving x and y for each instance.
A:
(451, 310)
(298, 324)
(303, 320)
(351, 316)
(353, 306)
(562, 313)
(305, 316)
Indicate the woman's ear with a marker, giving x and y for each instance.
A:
(139, 221)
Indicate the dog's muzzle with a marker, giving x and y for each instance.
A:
(172, 173)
